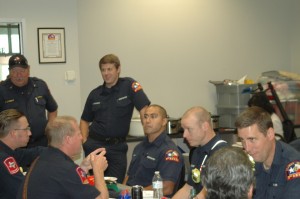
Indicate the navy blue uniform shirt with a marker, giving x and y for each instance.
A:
(33, 100)
(56, 176)
(198, 157)
(110, 109)
(10, 163)
(282, 180)
(160, 155)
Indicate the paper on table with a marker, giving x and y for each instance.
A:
(148, 194)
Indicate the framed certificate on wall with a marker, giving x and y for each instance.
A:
(51, 45)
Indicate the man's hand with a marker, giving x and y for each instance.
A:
(86, 163)
(99, 161)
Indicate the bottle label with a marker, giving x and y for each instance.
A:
(157, 185)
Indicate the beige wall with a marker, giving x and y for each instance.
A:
(173, 47)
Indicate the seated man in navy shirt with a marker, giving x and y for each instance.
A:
(199, 133)
(277, 164)
(14, 134)
(157, 152)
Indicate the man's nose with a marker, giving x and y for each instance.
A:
(184, 133)
(246, 146)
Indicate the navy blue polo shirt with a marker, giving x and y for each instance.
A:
(282, 180)
(33, 100)
(55, 175)
(198, 156)
(160, 155)
(10, 163)
(110, 109)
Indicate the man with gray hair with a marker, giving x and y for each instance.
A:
(228, 173)
(55, 175)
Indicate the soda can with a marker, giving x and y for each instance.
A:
(137, 192)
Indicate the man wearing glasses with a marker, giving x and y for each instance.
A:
(14, 134)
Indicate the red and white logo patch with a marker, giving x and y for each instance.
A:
(136, 87)
(172, 155)
(11, 165)
(292, 170)
(82, 175)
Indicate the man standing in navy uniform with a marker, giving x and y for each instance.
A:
(277, 164)
(14, 134)
(107, 114)
(29, 95)
(157, 152)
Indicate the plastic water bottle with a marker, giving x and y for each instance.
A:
(157, 184)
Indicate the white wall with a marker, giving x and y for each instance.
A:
(174, 47)
(54, 13)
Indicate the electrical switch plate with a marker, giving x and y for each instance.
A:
(70, 75)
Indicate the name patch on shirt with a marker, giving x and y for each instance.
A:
(9, 101)
(136, 87)
(172, 155)
(11, 165)
(82, 175)
(292, 170)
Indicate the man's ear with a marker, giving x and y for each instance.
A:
(205, 126)
(271, 133)
(165, 121)
(250, 192)
(67, 139)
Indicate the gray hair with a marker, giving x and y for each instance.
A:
(59, 128)
(228, 173)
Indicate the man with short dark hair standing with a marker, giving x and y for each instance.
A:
(107, 114)
(29, 95)
(14, 134)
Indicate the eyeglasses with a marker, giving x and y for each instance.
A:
(24, 129)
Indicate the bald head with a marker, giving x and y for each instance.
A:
(199, 113)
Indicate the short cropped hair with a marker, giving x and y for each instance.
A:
(59, 128)
(200, 113)
(161, 109)
(254, 115)
(228, 173)
(8, 118)
(110, 59)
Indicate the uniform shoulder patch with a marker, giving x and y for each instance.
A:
(172, 155)
(292, 170)
(82, 175)
(136, 87)
(11, 165)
